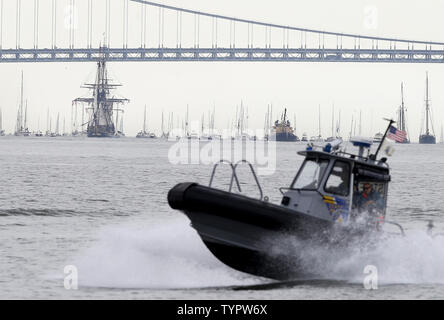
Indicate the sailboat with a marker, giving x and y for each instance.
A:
(21, 128)
(442, 136)
(48, 125)
(120, 132)
(57, 130)
(319, 137)
(334, 132)
(163, 135)
(402, 122)
(144, 133)
(2, 132)
(241, 124)
(427, 137)
(378, 137)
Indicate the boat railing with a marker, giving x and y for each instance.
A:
(234, 176)
(253, 173)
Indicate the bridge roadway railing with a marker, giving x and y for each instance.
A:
(223, 54)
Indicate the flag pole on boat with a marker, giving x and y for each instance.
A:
(391, 121)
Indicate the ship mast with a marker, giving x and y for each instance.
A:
(20, 124)
(57, 124)
(48, 130)
(402, 111)
(442, 134)
(21, 106)
(187, 132)
(338, 128)
(427, 104)
(162, 129)
(25, 121)
(144, 120)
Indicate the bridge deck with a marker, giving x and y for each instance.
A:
(223, 54)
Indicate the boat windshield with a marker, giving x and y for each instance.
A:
(311, 174)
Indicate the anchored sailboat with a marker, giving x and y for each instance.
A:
(2, 132)
(442, 135)
(319, 137)
(144, 133)
(428, 137)
(402, 122)
(21, 128)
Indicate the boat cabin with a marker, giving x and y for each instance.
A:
(339, 187)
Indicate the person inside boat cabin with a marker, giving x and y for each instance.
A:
(338, 182)
(369, 199)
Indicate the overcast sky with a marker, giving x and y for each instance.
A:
(170, 86)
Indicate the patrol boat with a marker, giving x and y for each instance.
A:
(337, 199)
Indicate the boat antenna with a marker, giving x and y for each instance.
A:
(391, 121)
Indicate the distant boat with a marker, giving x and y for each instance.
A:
(402, 123)
(335, 127)
(144, 134)
(304, 138)
(378, 138)
(193, 136)
(2, 132)
(442, 135)
(316, 139)
(427, 137)
(319, 137)
(206, 137)
(283, 129)
(21, 128)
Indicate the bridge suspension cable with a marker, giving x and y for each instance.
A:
(272, 25)
(1, 24)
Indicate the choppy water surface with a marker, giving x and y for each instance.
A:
(101, 205)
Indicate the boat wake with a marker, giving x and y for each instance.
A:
(170, 255)
(416, 258)
(167, 255)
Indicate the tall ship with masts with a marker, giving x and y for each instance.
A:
(102, 105)
(402, 116)
(428, 136)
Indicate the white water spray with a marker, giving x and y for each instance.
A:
(167, 255)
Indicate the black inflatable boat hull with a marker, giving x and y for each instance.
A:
(246, 233)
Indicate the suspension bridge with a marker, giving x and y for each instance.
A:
(86, 30)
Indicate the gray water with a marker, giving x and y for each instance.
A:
(101, 205)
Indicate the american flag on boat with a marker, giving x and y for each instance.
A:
(396, 135)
